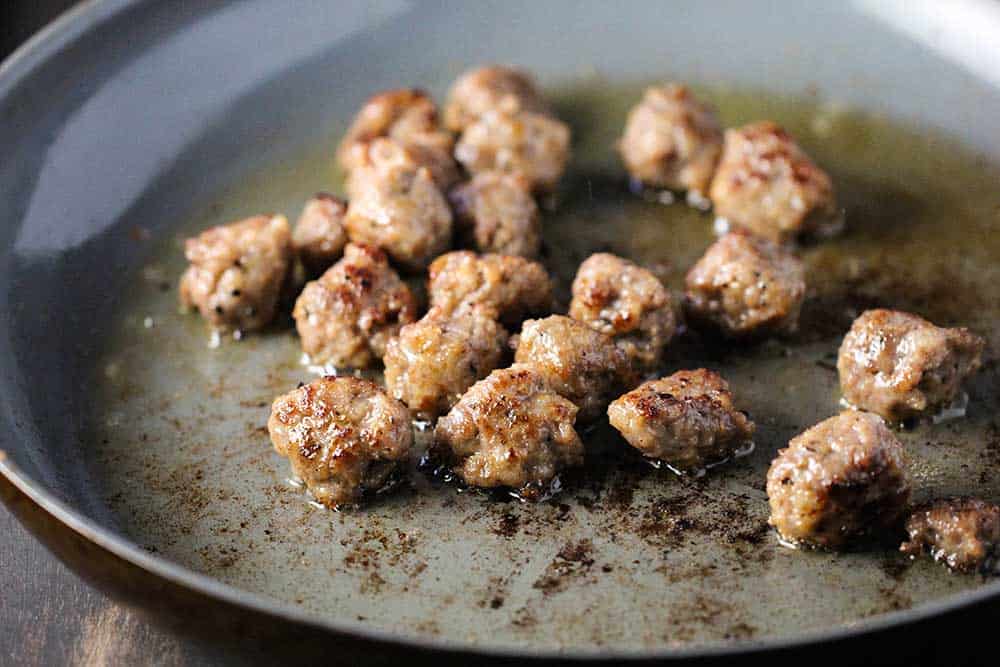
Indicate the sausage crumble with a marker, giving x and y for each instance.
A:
(842, 479)
(343, 436)
(686, 420)
(237, 272)
(901, 366)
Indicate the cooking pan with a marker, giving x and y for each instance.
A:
(135, 450)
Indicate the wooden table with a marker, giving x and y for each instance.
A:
(50, 617)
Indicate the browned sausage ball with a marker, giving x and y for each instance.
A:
(436, 359)
(510, 139)
(483, 89)
(495, 212)
(672, 140)
(579, 363)
(744, 286)
(347, 317)
(686, 420)
(616, 297)
(963, 533)
(343, 436)
(237, 272)
(409, 117)
(766, 184)
(511, 288)
(511, 430)
(319, 237)
(900, 366)
(396, 206)
(843, 478)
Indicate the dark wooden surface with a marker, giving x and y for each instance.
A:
(49, 617)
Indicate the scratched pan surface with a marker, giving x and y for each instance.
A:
(117, 407)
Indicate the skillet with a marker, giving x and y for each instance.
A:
(128, 123)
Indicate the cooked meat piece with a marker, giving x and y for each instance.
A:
(238, 271)
(900, 366)
(483, 89)
(435, 360)
(347, 317)
(510, 139)
(342, 435)
(962, 532)
(510, 430)
(616, 297)
(512, 288)
(686, 420)
(579, 363)
(672, 140)
(495, 212)
(396, 206)
(744, 286)
(319, 237)
(766, 184)
(843, 478)
(409, 117)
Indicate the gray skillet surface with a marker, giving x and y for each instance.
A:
(153, 436)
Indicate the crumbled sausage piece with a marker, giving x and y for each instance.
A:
(964, 533)
(843, 478)
(901, 366)
(238, 272)
(485, 88)
(319, 237)
(686, 420)
(579, 363)
(396, 206)
(435, 360)
(510, 139)
(672, 140)
(616, 297)
(766, 184)
(512, 288)
(347, 317)
(745, 286)
(343, 436)
(408, 117)
(495, 212)
(510, 430)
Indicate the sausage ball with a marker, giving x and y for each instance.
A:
(238, 272)
(964, 533)
(510, 430)
(409, 117)
(766, 184)
(483, 89)
(686, 420)
(396, 206)
(511, 139)
(347, 317)
(495, 212)
(671, 140)
(433, 361)
(901, 366)
(841, 479)
(579, 363)
(509, 287)
(319, 237)
(744, 286)
(616, 297)
(343, 436)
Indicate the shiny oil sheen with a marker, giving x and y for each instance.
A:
(625, 556)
